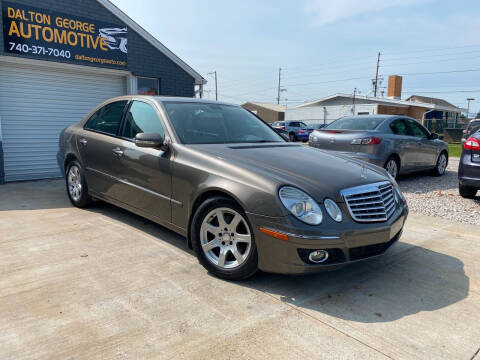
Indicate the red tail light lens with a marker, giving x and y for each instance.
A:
(301, 132)
(281, 127)
(471, 144)
(373, 140)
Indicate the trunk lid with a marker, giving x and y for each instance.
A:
(338, 140)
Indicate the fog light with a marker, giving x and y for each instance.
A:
(318, 256)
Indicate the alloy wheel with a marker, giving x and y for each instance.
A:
(442, 164)
(225, 238)
(74, 181)
(392, 168)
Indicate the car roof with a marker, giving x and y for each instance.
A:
(161, 99)
(375, 116)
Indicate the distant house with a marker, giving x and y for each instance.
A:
(268, 112)
(335, 106)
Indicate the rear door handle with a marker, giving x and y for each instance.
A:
(83, 141)
(118, 152)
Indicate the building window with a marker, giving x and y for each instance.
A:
(148, 86)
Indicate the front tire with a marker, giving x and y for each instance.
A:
(223, 240)
(441, 166)
(77, 189)
(467, 192)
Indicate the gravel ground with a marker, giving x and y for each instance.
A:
(438, 196)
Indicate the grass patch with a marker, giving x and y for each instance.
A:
(455, 149)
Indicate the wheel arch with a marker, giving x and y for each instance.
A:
(201, 198)
(396, 157)
(68, 158)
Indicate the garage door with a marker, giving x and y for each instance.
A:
(36, 103)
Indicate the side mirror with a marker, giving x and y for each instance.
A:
(150, 140)
(433, 136)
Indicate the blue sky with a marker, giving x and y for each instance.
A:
(320, 44)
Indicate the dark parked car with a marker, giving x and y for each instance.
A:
(296, 130)
(244, 197)
(397, 143)
(469, 168)
(472, 127)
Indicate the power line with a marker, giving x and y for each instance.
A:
(430, 49)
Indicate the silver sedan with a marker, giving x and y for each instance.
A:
(399, 144)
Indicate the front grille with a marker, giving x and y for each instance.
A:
(369, 203)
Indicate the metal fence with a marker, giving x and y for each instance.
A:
(438, 125)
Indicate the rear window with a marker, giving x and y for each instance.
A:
(355, 123)
(474, 125)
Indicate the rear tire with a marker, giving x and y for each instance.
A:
(441, 166)
(230, 257)
(467, 192)
(392, 166)
(77, 188)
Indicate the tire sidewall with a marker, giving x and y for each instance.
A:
(85, 199)
(436, 170)
(248, 267)
(391, 158)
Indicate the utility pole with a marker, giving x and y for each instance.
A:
(376, 75)
(214, 73)
(279, 80)
(353, 100)
(468, 105)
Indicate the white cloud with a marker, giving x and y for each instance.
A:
(330, 11)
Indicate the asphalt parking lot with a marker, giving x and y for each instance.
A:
(103, 283)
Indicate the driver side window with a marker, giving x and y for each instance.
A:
(141, 118)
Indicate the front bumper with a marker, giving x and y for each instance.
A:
(346, 242)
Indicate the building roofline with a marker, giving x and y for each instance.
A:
(386, 101)
(199, 80)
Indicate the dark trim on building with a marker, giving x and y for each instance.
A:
(2, 170)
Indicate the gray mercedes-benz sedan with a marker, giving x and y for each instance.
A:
(245, 198)
(399, 144)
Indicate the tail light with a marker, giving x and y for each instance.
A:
(301, 132)
(373, 140)
(471, 144)
(281, 127)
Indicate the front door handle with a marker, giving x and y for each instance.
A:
(83, 141)
(118, 152)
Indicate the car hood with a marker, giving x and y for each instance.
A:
(315, 171)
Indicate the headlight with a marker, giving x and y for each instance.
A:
(333, 210)
(396, 188)
(302, 206)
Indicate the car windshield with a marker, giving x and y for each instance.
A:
(203, 123)
(355, 123)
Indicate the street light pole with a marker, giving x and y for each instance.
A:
(468, 106)
(214, 73)
(279, 81)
